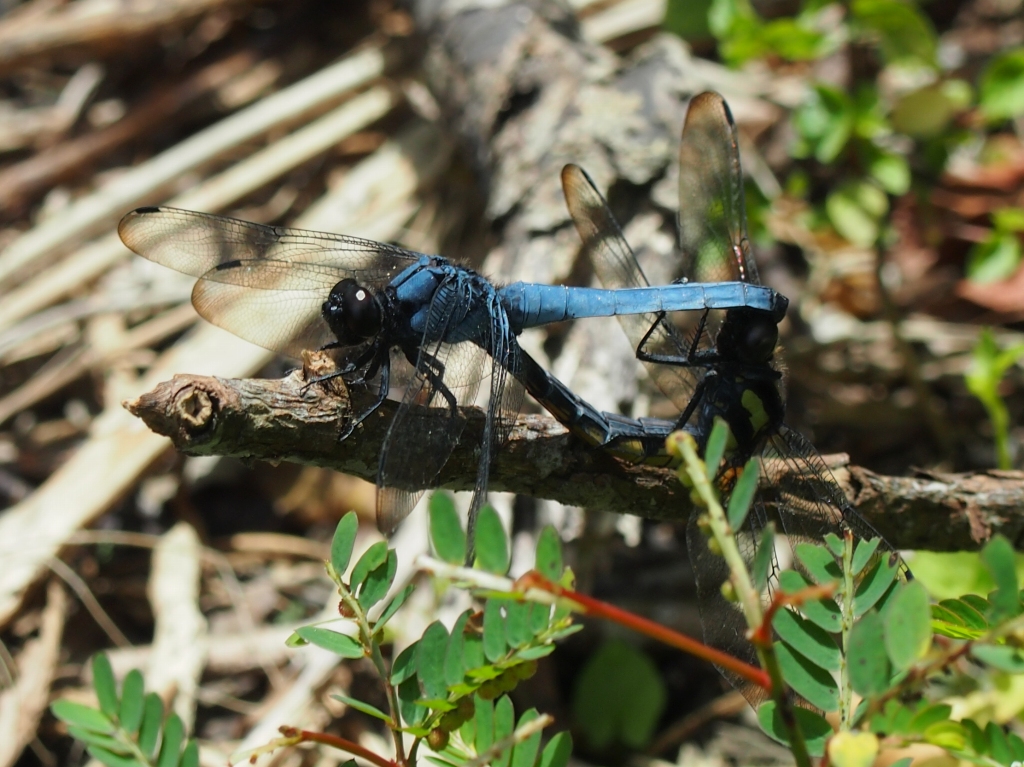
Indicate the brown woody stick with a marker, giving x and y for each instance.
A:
(282, 420)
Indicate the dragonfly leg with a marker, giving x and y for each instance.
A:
(383, 362)
(433, 369)
(698, 395)
(368, 356)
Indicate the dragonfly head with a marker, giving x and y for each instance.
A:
(352, 313)
(748, 335)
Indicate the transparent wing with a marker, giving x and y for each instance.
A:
(286, 321)
(617, 267)
(195, 243)
(799, 494)
(425, 429)
(712, 214)
(806, 497)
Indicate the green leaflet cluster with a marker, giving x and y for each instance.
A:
(127, 730)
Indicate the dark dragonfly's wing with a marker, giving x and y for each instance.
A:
(617, 267)
(712, 213)
(265, 284)
(426, 427)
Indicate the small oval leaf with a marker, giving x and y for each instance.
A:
(343, 541)
(446, 533)
(491, 542)
(340, 644)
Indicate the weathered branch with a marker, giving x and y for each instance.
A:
(283, 420)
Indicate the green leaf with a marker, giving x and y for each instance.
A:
(806, 638)
(557, 752)
(902, 31)
(104, 684)
(819, 563)
(928, 111)
(375, 586)
(855, 211)
(430, 656)
(549, 554)
(408, 695)
(340, 644)
(824, 613)
(111, 759)
(908, 634)
(524, 754)
(483, 716)
(190, 756)
(540, 618)
(366, 708)
(815, 728)
(535, 652)
(966, 612)
(1002, 86)
(517, 623)
(999, 747)
(892, 172)
(873, 586)
(815, 684)
(999, 558)
(152, 719)
(446, 533)
(994, 259)
(82, 716)
(454, 671)
(1002, 657)
(743, 494)
(491, 542)
(343, 541)
(869, 664)
(504, 719)
(494, 630)
(627, 716)
(715, 448)
(404, 666)
(174, 736)
(372, 558)
(928, 716)
(132, 699)
(106, 742)
(836, 545)
(473, 652)
(393, 607)
(762, 564)
(862, 554)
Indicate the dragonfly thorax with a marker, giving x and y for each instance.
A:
(748, 336)
(352, 313)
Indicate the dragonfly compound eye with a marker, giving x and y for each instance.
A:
(352, 312)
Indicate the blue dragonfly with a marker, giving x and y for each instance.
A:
(376, 304)
(726, 366)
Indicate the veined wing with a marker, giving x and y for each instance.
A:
(426, 427)
(196, 243)
(798, 493)
(617, 267)
(712, 213)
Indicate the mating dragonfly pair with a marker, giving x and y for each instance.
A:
(289, 290)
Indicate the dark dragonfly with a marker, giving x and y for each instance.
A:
(289, 290)
(726, 367)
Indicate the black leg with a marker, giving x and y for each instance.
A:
(433, 369)
(382, 394)
(698, 395)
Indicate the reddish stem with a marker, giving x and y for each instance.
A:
(601, 609)
(762, 637)
(339, 743)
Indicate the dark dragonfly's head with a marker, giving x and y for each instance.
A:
(748, 335)
(352, 313)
